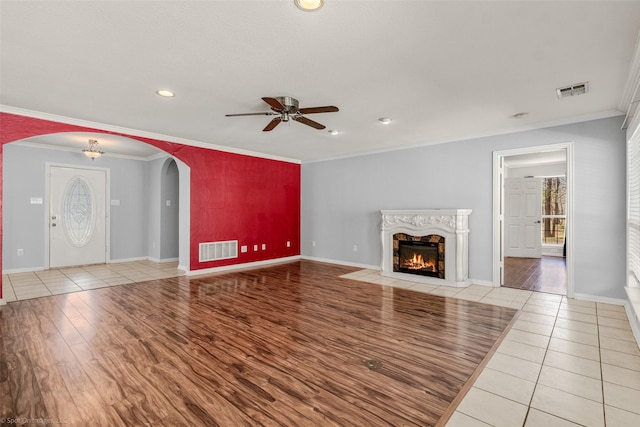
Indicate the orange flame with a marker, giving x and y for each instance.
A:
(417, 263)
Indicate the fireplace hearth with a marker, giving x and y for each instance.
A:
(427, 246)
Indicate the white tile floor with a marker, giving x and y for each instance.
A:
(20, 286)
(565, 362)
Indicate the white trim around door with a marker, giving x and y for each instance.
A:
(498, 208)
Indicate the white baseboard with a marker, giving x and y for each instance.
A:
(488, 283)
(115, 261)
(22, 270)
(633, 321)
(598, 298)
(242, 266)
(632, 307)
(348, 264)
(162, 260)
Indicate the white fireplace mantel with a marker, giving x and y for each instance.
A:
(452, 224)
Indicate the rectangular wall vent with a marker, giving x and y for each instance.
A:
(573, 90)
(213, 251)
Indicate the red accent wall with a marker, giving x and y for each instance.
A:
(233, 197)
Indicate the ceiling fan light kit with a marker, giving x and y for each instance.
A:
(286, 108)
(309, 5)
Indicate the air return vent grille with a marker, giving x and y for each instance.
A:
(213, 251)
(573, 90)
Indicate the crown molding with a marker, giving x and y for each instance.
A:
(138, 133)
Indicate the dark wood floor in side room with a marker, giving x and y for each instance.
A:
(546, 274)
(290, 344)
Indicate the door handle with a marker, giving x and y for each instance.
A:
(537, 222)
(53, 225)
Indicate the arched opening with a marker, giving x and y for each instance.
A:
(169, 211)
(26, 187)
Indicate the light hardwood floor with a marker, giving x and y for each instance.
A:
(292, 344)
(564, 362)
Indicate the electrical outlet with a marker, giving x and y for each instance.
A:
(243, 248)
(355, 248)
(20, 252)
(313, 243)
(255, 248)
(288, 244)
(264, 246)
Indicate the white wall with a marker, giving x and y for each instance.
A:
(341, 199)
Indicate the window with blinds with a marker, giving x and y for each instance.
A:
(633, 206)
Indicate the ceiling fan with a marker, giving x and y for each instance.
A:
(285, 108)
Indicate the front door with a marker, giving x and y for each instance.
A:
(523, 217)
(77, 216)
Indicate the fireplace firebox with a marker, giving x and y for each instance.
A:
(418, 258)
(421, 255)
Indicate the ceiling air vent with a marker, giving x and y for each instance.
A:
(573, 90)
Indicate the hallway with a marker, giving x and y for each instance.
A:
(547, 274)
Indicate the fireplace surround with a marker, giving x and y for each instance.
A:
(440, 235)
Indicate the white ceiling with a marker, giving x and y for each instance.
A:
(443, 70)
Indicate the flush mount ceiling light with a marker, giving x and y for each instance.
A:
(165, 93)
(334, 132)
(309, 5)
(93, 151)
(384, 120)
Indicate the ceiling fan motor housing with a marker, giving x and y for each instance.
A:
(290, 104)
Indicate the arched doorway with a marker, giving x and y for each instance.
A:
(26, 225)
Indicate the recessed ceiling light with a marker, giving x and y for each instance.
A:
(165, 93)
(384, 120)
(309, 5)
(334, 132)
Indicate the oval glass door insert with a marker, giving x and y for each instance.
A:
(79, 211)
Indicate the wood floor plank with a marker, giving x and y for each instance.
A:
(290, 344)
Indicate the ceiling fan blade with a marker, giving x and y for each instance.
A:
(312, 110)
(308, 122)
(274, 103)
(273, 123)
(268, 113)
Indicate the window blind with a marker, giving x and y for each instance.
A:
(633, 209)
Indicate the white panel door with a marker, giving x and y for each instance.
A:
(77, 216)
(523, 217)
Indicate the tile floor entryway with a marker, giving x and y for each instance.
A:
(20, 286)
(564, 363)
